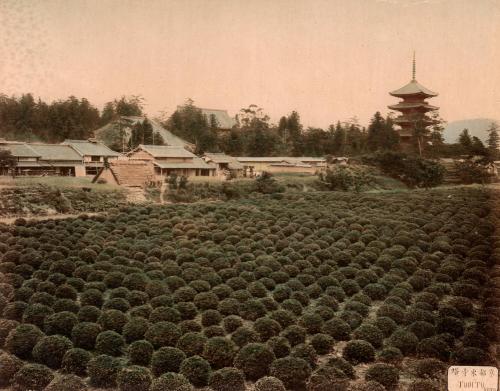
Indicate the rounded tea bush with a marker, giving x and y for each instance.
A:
(280, 346)
(84, 335)
(342, 364)
(192, 343)
(390, 354)
(404, 340)
(327, 378)
(103, 371)
(163, 334)
(244, 335)
(110, 343)
(472, 356)
(295, 334)
(10, 364)
(50, 350)
(140, 352)
(113, 320)
(369, 333)
(197, 370)
(423, 385)
(385, 374)
(292, 371)
(358, 351)
(231, 323)
(60, 323)
(135, 329)
(266, 328)
(32, 377)
(337, 328)
(269, 383)
(322, 343)
(429, 368)
(75, 361)
(172, 382)
(167, 359)
(67, 382)
(254, 360)
(219, 352)
(134, 378)
(227, 379)
(22, 340)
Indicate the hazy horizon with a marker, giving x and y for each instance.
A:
(328, 60)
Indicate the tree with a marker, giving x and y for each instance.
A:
(493, 141)
(258, 137)
(381, 134)
(189, 123)
(477, 147)
(465, 140)
(437, 129)
(8, 162)
(129, 106)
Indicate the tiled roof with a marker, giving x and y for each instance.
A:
(277, 159)
(196, 163)
(90, 148)
(19, 149)
(55, 152)
(413, 88)
(218, 158)
(159, 151)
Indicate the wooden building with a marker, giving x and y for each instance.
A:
(38, 159)
(169, 160)
(93, 154)
(281, 164)
(226, 166)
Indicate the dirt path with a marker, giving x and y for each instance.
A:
(10, 220)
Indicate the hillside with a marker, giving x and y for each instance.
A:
(110, 134)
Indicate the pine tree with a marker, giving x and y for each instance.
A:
(465, 140)
(493, 141)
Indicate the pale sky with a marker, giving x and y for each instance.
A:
(329, 60)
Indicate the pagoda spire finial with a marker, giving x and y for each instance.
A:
(414, 67)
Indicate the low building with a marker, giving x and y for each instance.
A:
(93, 153)
(61, 159)
(281, 164)
(128, 173)
(226, 166)
(168, 160)
(35, 159)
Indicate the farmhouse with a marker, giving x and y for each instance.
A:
(169, 160)
(226, 166)
(283, 164)
(93, 153)
(44, 159)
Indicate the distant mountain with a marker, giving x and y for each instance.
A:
(477, 127)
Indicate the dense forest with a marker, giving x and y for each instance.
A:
(29, 119)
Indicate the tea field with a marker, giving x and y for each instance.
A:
(317, 291)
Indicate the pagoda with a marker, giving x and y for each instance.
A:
(413, 108)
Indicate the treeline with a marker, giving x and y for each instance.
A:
(254, 135)
(25, 118)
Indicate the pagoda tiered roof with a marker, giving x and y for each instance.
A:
(413, 88)
(413, 105)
